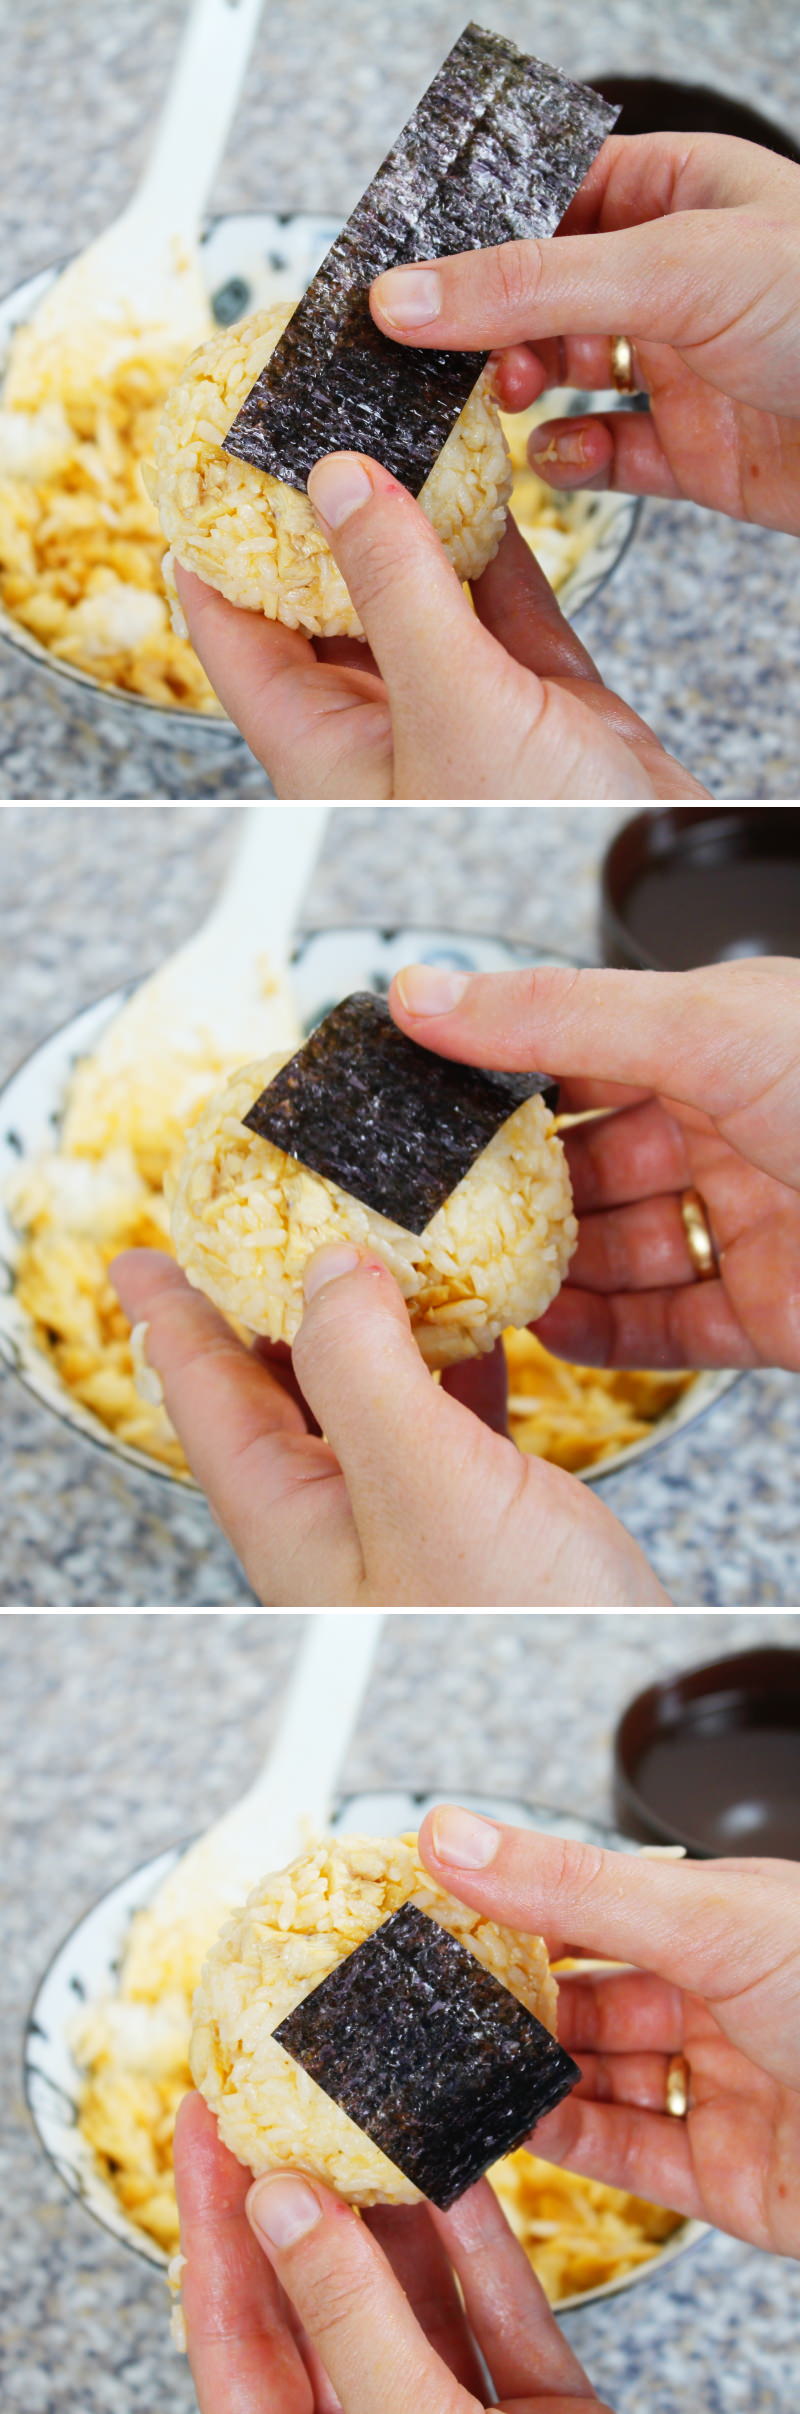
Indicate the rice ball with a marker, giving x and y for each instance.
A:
(245, 1219)
(255, 538)
(294, 1929)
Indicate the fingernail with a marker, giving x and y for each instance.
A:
(462, 1841)
(409, 297)
(327, 1265)
(283, 2209)
(428, 989)
(570, 448)
(147, 1383)
(337, 487)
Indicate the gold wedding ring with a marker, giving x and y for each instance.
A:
(698, 1236)
(622, 376)
(676, 2092)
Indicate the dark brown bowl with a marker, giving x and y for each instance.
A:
(701, 884)
(650, 103)
(710, 1758)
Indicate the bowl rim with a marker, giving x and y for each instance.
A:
(528, 951)
(665, 833)
(690, 2232)
(687, 1689)
(183, 720)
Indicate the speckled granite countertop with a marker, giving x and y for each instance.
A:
(716, 1508)
(105, 1768)
(699, 628)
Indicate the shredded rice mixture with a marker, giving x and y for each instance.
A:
(295, 1928)
(577, 2233)
(558, 528)
(246, 1217)
(257, 539)
(575, 1415)
(80, 544)
(101, 1190)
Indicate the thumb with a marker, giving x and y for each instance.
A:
(409, 599)
(363, 1376)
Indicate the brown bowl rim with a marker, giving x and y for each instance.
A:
(660, 828)
(761, 1668)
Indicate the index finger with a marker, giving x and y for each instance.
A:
(517, 604)
(526, 2353)
(240, 2347)
(316, 724)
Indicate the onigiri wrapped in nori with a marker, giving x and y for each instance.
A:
(296, 1929)
(495, 149)
(246, 1214)
(256, 538)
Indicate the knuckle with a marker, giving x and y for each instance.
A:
(338, 1319)
(516, 271)
(332, 2301)
(627, 2148)
(578, 1870)
(385, 557)
(555, 992)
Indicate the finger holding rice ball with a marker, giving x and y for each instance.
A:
(375, 1129)
(356, 2022)
(257, 539)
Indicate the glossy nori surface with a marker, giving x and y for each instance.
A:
(394, 1125)
(496, 149)
(428, 2053)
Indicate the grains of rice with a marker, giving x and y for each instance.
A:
(80, 544)
(256, 539)
(245, 1218)
(295, 1928)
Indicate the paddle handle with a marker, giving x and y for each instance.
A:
(276, 848)
(197, 115)
(319, 1712)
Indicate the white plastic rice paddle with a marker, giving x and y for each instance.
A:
(144, 268)
(227, 990)
(294, 1791)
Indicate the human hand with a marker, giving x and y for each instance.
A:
(501, 701)
(359, 2315)
(717, 1951)
(691, 245)
(411, 1500)
(702, 1072)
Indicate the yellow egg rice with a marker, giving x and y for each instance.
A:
(256, 539)
(246, 1218)
(295, 1928)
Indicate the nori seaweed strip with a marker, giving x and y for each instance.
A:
(428, 2054)
(496, 148)
(393, 1124)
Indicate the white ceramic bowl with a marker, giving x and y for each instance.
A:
(248, 261)
(325, 966)
(87, 1963)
